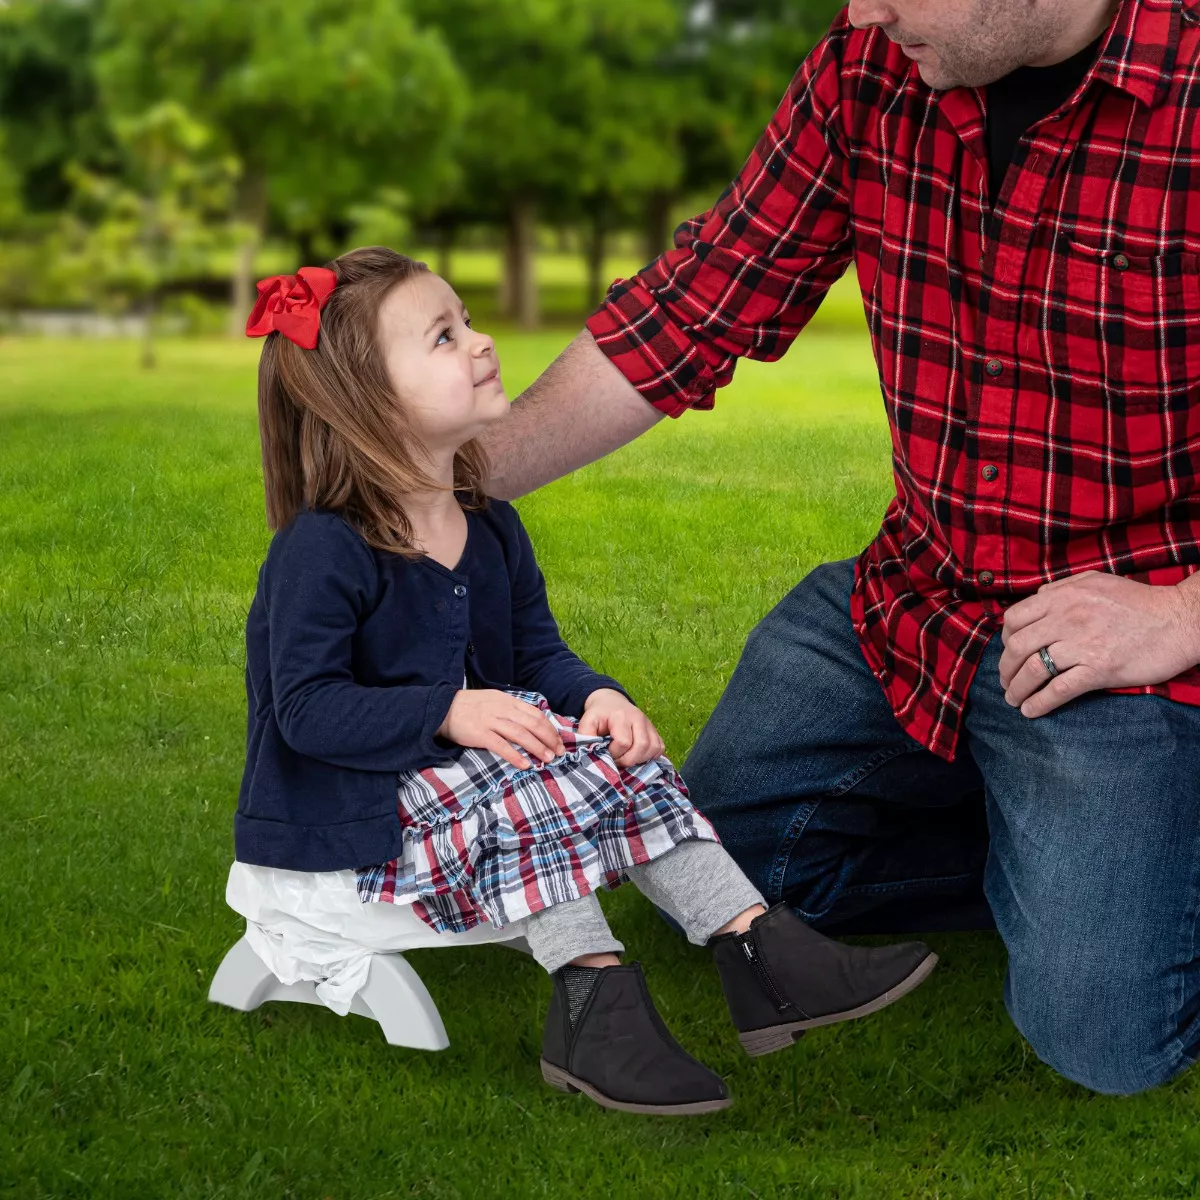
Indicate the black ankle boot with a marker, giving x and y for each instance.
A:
(618, 1051)
(783, 977)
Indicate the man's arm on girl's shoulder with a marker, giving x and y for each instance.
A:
(742, 280)
(578, 410)
(319, 581)
(542, 661)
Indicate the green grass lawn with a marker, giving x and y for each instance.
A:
(131, 530)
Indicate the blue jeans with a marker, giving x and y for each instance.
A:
(1075, 834)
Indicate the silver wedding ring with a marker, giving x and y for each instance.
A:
(1045, 653)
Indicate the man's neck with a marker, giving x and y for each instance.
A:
(1081, 27)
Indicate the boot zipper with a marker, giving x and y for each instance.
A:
(765, 978)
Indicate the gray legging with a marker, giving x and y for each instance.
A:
(696, 882)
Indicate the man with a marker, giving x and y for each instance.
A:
(1000, 696)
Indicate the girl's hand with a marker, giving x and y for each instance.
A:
(488, 719)
(634, 739)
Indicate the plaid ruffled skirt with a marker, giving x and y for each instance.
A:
(487, 841)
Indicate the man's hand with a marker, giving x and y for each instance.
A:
(489, 719)
(1102, 631)
(634, 739)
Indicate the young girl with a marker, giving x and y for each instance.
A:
(414, 714)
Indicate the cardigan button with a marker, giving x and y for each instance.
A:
(470, 647)
(459, 590)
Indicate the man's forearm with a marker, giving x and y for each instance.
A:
(1190, 589)
(578, 410)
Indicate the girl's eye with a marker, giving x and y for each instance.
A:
(467, 322)
(444, 334)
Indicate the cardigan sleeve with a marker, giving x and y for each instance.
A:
(321, 579)
(542, 661)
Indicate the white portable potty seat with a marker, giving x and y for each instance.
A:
(310, 939)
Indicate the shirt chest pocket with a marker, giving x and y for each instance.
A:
(1117, 329)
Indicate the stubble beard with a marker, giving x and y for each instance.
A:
(996, 38)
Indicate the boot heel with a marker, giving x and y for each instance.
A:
(557, 1078)
(766, 1041)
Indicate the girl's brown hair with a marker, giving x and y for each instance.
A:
(334, 435)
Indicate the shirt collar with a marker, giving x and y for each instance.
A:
(1138, 53)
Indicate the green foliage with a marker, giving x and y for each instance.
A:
(564, 101)
(322, 101)
(733, 66)
(383, 222)
(49, 102)
(158, 221)
(358, 120)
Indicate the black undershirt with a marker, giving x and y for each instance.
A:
(1022, 97)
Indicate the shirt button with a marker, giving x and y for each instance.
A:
(986, 578)
(990, 472)
(1120, 261)
(459, 590)
(994, 366)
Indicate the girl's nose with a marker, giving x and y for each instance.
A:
(484, 344)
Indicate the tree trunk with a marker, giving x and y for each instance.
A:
(656, 232)
(149, 309)
(594, 255)
(306, 244)
(155, 255)
(522, 290)
(252, 213)
(504, 300)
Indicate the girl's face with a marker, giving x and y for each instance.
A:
(445, 373)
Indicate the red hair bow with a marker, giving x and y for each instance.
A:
(292, 305)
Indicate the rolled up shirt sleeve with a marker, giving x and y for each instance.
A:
(747, 275)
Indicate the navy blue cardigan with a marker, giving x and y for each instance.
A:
(353, 657)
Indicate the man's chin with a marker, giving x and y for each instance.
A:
(931, 76)
(934, 77)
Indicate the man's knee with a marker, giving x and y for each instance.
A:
(1106, 1021)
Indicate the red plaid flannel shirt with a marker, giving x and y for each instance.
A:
(1038, 351)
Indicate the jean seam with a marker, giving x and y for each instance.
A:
(1181, 1051)
(859, 773)
(867, 889)
(783, 854)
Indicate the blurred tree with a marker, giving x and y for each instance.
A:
(322, 101)
(735, 61)
(17, 255)
(161, 219)
(565, 113)
(49, 103)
